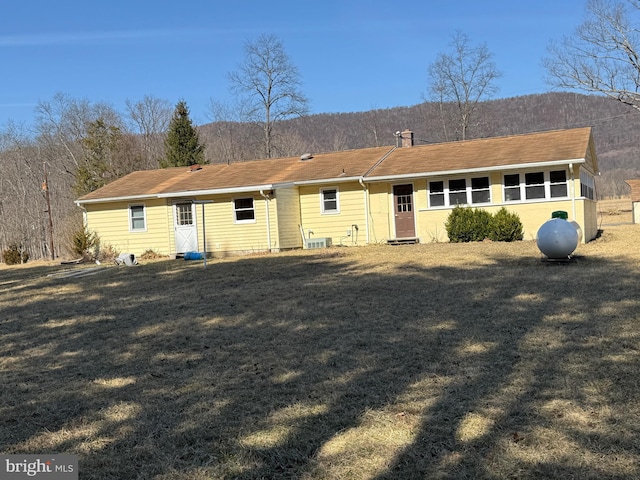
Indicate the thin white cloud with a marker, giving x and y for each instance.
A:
(82, 38)
(17, 105)
(53, 39)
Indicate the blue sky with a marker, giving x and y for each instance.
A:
(352, 55)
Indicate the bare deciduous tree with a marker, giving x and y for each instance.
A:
(603, 54)
(150, 117)
(268, 85)
(464, 77)
(22, 202)
(226, 136)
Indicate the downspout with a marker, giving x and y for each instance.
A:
(266, 202)
(573, 193)
(366, 208)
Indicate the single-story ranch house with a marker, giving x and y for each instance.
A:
(354, 197)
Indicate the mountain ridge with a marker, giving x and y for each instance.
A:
(616, 130)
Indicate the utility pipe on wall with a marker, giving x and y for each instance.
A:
(573, 193)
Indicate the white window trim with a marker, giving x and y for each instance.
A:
(322, 203)
(235, 216)
(588, 181)
(547, 187)
(468, 191)
(130, 217)
(443, 193)
(565, 183)
(175, 213)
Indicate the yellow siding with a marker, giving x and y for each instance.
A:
(532, 215)
(291, 208)
(110, 221)
(287, 212)
(586, 209)
(430, 223)
(274, 227)
(380, 209)
(497, 194)
(335, 225)
(225, 236)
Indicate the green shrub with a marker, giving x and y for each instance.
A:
(459, 224)
(15, 255)
(468, 225)
(481, 225)
(506, 227)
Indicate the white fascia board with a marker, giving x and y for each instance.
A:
(115, 199)
(461, 171)
(328, 180)
(276, 186)
(188, 193)
(215, 191)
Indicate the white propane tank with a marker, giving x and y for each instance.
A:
(558, 238)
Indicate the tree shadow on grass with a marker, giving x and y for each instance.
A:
(268, 367)
(557, 397)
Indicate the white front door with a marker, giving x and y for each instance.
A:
(186, 232)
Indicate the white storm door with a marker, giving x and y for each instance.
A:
(186, 232)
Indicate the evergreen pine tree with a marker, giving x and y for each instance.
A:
(183, 147)
(100, 147)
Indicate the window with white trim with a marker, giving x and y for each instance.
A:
(512, 187)
(436, 194)
(329, 201)
(587, 185)
(558, 183)
(184, 214)
(480, 191)
(459, 191)
(137, 218)
(536, 185)
(243, 210)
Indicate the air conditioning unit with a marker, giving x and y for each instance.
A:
(318, 242)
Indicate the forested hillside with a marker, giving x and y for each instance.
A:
(616, 130)
(71, 136)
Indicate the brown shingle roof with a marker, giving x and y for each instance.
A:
(335, 165)
(560, 145)
(485, 153)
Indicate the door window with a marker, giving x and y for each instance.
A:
(184, 214)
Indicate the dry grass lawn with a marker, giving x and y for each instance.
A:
(474, 361)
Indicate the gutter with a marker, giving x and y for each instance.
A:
(573, 193)
(186, 193)
(216, 191)
(327, 180)
(404, 176)
(79, 203)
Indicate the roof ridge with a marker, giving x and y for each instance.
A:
(513, 135)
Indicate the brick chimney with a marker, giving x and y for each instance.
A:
(407, 138)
